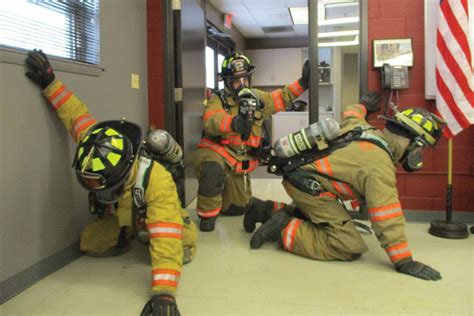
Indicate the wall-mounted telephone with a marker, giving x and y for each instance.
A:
(395, 77)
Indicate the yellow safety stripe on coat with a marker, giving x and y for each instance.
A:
(343, 189)
(59, 97)
(208, 213)
(165, 277)
(278, 100)
(385, 212)
(225, 124)
(289, 234)
(80, 124)
(296, 88)
(234, 139)
(323, 166)
(167, 230)
(398, 252)
(358, 111)
(210, 113)
(206, 143)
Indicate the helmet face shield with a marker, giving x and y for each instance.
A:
(238, 84)
(412, 160)
(93, 180)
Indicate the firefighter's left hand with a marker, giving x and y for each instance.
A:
(161, 305)
(418, 270)
(371, 101)
(39, 68)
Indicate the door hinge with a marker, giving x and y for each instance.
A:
(178, 94)
(176, 5)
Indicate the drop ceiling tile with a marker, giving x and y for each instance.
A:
(281, 34)
(297, 3)
(301, 30)
(272, 17)
(265, 4)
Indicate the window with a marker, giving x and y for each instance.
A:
(210, 71)
(67, 29)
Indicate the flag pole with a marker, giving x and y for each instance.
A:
(448, 228)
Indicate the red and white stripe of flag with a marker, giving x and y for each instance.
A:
(454, 70)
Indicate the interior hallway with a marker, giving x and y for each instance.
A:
(228, 278)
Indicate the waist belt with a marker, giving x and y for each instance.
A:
(305, 183)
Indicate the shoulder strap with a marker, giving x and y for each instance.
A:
(145, 166)
(223, 97)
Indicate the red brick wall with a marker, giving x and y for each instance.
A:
(155, 64)
(423, 190)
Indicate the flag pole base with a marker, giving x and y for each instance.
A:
(452, 230)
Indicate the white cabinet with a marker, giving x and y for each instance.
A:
(275, 67)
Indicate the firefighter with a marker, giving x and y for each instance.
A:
(364, 170)
(107, 165)
(231, 138)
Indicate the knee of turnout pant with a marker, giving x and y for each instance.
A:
(211, 180)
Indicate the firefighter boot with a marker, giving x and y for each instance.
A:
(271, 230)
(207, 224)
(259, 211)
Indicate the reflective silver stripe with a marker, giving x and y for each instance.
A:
(138, 191)
(155, 230)
(79, 123)
(397, 251)
(290, 232)
(168, 277)
(385, 212)
(59, 97)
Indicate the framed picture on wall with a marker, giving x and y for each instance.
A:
(395, 52)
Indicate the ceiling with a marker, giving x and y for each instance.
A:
(271, 18)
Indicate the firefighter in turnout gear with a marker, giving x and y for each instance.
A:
(108, 163)
(362, 170)
(232, 135)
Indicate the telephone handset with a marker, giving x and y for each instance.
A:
(395, 77)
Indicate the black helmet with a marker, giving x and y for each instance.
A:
(236, 67)
(416, 123)
(421, 127)
(104, 157)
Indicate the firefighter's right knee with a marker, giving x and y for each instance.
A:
(211, 180)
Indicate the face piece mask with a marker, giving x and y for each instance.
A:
(110, 196)
(413, 160)
(239, 84)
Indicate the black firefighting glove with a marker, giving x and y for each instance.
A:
(240, 125)
(39, 68)
(371, 101)
(419, 270)
(304, 80)
(161, 305)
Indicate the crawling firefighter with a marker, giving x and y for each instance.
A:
(233, 123)
(121, 176)
(327, 163)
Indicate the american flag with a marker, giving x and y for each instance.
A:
(454, 73)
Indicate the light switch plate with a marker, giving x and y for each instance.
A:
(135, 81)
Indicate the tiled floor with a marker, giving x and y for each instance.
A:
(228, 278)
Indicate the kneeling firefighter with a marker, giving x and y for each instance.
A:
(353, 161)
(233, 125)
(130, 191)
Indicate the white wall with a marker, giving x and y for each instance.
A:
(43, 207)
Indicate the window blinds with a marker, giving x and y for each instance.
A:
(68, 28)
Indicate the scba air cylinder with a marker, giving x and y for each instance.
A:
(161, 144)
(314, 136)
